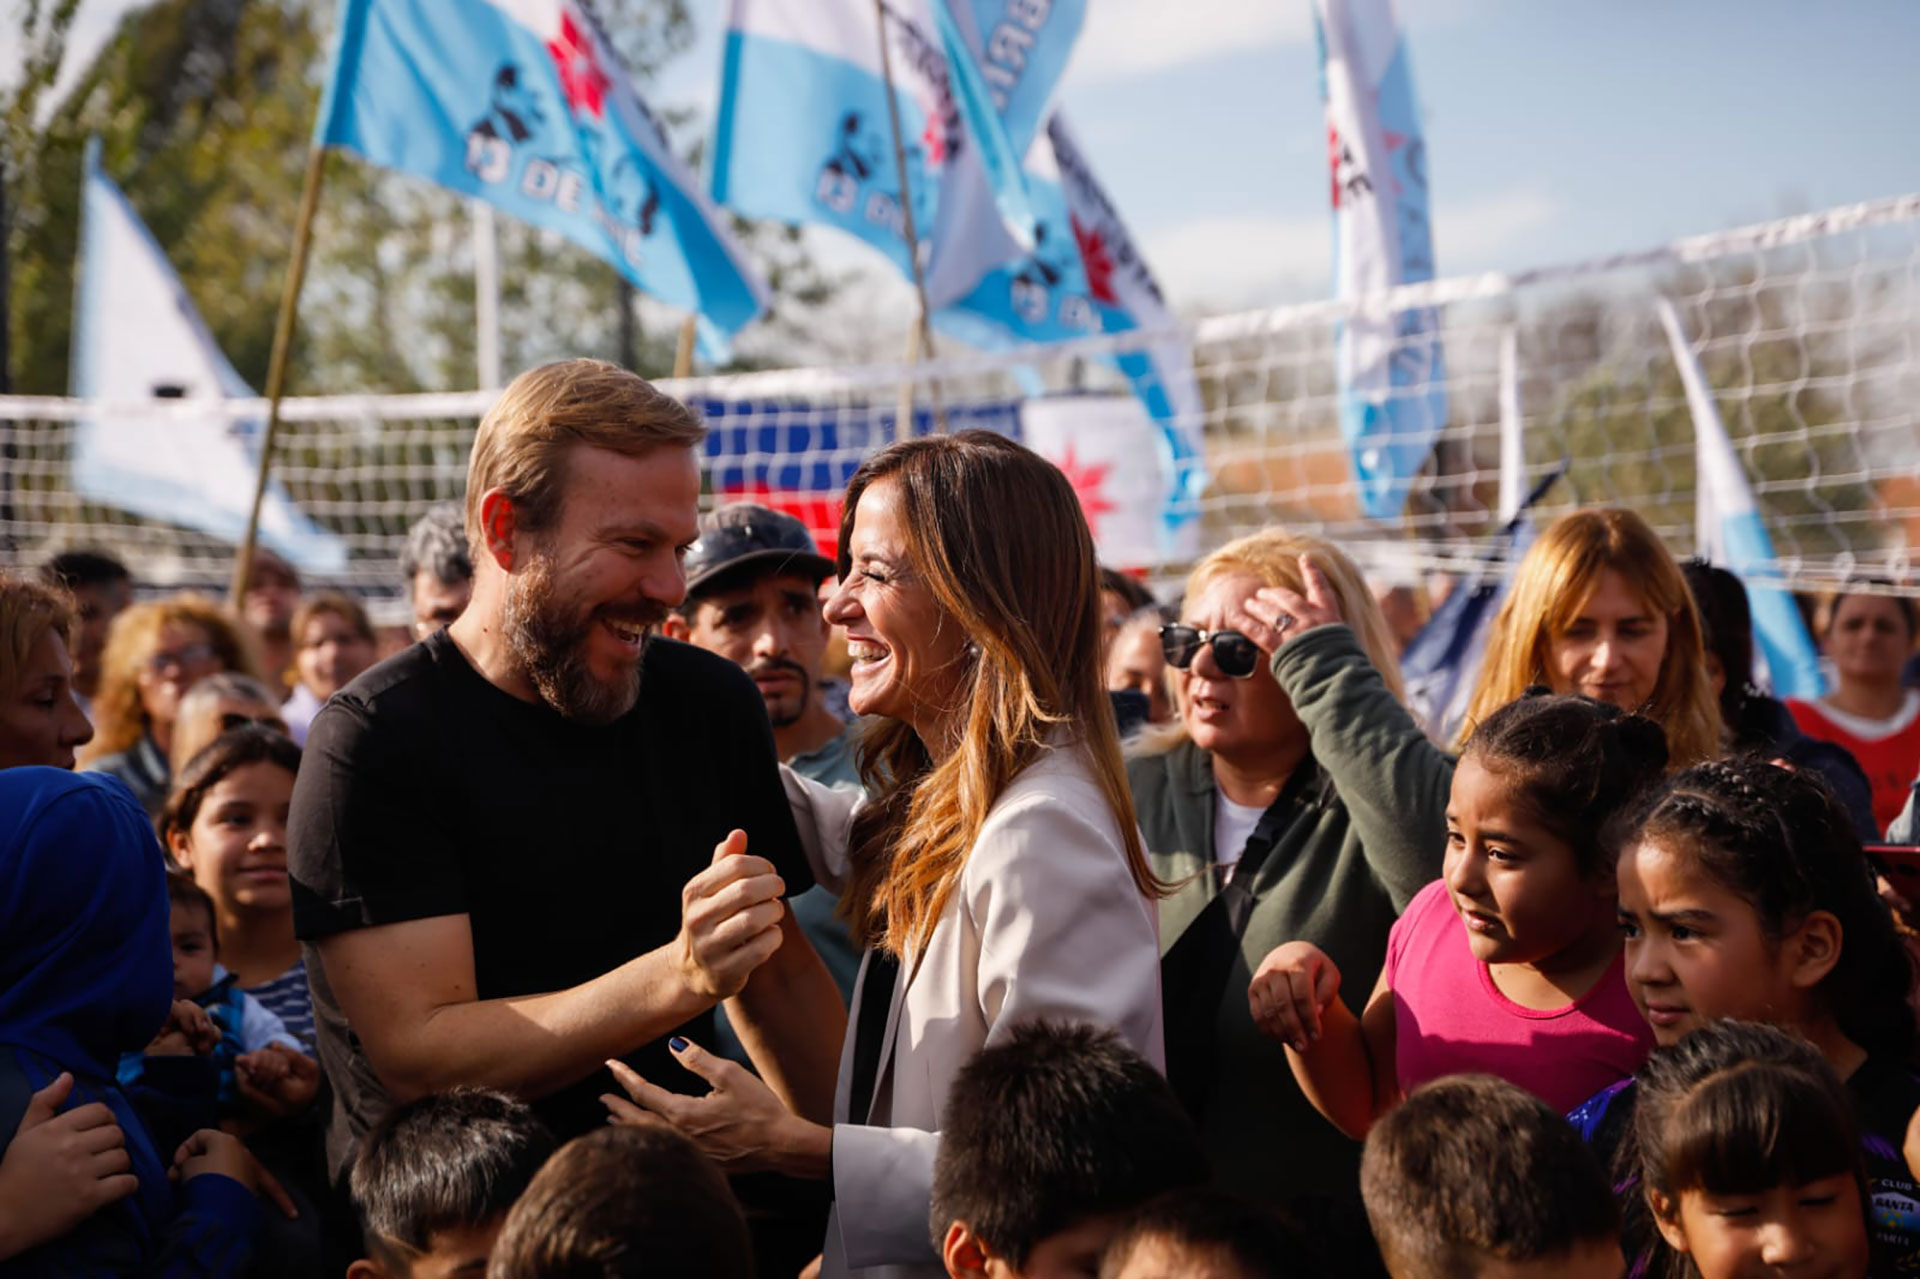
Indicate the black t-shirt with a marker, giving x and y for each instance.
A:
(427, 791)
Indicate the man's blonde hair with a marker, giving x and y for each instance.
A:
(522, 444)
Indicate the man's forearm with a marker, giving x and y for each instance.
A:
(535, 1045)
(791, 1021)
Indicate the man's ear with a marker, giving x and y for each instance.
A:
(1816, 949)
(497, 527)
(366, 1268)
(674, 626)
(964, 1253)
(1666, 1215)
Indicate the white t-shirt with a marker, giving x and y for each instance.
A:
(1232, 826)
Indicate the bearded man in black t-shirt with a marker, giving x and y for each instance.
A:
(543, 838)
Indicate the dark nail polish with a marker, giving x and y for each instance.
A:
(678, 1044)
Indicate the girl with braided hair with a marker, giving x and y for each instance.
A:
(1744, 893)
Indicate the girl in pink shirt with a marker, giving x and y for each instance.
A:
(1510, 963)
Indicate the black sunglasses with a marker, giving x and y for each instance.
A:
(1235, 654)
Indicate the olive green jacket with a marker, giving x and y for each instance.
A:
(1365, 839)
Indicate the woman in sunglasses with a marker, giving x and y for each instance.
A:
(1292, 797)
(155, 653)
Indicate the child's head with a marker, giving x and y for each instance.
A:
(1750, 1158)
(621, 1203)
(1540, 781)
(1205, 1234)
(226, 821)
(1046, 1140)
(1473, 1176)
(1744, 893)
(432, 1182)
(196, 938)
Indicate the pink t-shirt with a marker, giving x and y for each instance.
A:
(1449, 1017)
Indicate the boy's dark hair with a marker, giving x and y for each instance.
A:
(1258, 1243)
(184, 890)
(442, 1162)
(74, 569)
(1472, 1168)
(1059, 1123)
(620, 1203)
(1738, 1108)
(1578, 763)
(1777, 838)
(1130, 589)
(233, 749)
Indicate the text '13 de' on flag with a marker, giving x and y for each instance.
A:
(1086, 276)
(1729, 533)
(803, 135)
(162, 444)
(525, 104)
(1391, 374)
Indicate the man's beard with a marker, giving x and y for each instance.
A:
(785, 718)
(548, 636)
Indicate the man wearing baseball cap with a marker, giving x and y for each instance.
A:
(753, 582)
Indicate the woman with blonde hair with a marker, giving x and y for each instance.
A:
(40, 719)
(1292, 796)
(996, 874)
(1599, 609)
(155, 653)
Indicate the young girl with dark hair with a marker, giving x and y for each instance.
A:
(1745, 894)
(226, 825)
(1510, 963)
(1750, 1159)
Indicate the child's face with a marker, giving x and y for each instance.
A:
(1817, 1230)
(192, 951)
(1695, 950)
(1516, 886)
(1073, 1253)
(237, 849)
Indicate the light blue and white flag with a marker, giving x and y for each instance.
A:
(1007, 56)
(1392, 397)
(524, 104)
(803, 135)
(1084, 277)
(137, 340)
(1729, 532)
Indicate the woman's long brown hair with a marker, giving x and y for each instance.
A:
(998, 536)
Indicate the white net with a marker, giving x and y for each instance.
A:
(1806, 330)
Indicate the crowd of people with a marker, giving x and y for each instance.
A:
(676, 899)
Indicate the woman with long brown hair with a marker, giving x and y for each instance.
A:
(1599, 609)
(155, 653)
(995, 874)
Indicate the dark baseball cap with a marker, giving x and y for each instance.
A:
(743, 533)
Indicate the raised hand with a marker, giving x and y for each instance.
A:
(1290, 993)
(730, 917)
(60, 1168)
(1273, 615)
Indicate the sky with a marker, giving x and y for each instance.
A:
(1555, 131)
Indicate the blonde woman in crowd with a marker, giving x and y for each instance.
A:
(1599, 609)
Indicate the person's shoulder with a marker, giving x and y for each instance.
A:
(399, 678)
(1428, 901)
(1061, 792)
(677, 673)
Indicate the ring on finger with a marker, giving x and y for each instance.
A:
(1282, 622)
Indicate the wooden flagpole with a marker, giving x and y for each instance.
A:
(277, 366)
(920, 339)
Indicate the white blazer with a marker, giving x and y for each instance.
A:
(1046, 923)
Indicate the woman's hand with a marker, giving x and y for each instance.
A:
(1273, 615)
(1292, 990)
(740, 1125)
(210, 1152)
(277, 1081)
(60, 1168)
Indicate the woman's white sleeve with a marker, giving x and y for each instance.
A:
(824, 816)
